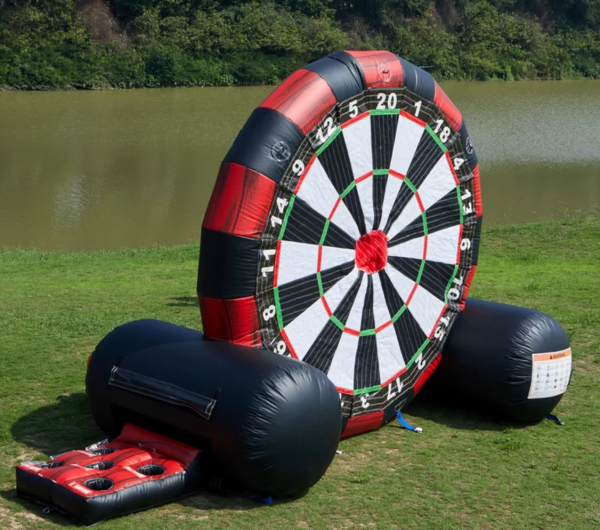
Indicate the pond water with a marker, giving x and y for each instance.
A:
(114, 169)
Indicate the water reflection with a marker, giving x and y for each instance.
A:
(92, 170)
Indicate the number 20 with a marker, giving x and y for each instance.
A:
(392, 101)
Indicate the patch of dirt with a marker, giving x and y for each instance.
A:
(10, 520)
(97, 18)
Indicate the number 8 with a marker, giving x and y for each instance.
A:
(269, 313)
(445, 135)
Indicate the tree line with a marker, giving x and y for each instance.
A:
(150, 43)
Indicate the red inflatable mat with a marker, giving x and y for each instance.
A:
(137, 470)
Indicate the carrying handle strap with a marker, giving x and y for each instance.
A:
(162, 391)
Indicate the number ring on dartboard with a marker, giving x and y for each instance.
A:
(370, 241)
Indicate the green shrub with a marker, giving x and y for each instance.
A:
(45, 45)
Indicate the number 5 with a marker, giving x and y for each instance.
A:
(353, 109)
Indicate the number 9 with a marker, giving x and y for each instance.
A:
(298, 167)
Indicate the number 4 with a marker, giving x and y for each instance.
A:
(281, 204)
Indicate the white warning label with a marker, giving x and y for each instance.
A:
(550, 374)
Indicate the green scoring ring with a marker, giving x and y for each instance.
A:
(414, 190)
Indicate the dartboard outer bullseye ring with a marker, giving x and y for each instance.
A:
(344, 228)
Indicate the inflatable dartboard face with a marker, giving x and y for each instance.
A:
(343, 229)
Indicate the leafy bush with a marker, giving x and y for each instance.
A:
(147, 43)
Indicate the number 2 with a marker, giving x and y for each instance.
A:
(326, 131)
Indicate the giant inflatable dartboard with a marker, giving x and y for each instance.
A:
(343, 229)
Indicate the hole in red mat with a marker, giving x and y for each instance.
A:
(102, 451)
(102, 465)
(151, 470)
(98, 484)
(371, 252)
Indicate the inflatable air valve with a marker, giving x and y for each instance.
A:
(267, 424)
(515, 362)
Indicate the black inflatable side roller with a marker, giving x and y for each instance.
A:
(267, 424)
(511, 361)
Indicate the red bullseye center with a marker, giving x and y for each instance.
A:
(371, 252)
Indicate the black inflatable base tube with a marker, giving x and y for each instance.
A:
(487, 360)
(267, 424)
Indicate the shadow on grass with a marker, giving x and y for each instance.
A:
(34, 508)
(456, 414)
(67, 424)
(183, 301)
(63, 425)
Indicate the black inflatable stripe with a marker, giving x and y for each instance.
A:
(467, 145)
(342, 73)
(228, 265)
(418, 80)
(266, 143)
(477, 239)
(353, 65)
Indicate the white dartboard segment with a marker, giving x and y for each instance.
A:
(403, 285)
(408, 136)
(359, 150)
(380, 309)
(365, 192)
(392, 189)
(341, 370)
(443, 246)
(426, 309)
(389, 353)
(437, 184)
(318, 192)
(296, 260)
(332, 257)
(413, 248)
(411, 211)
(304, 330)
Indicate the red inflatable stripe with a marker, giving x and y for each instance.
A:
(303, 98)
(477, 190)
(363, 423)
(231, 320)
(424, 377)
(240, 201)
(382, 69)
(449, 110)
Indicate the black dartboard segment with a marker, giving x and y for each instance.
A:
(379, 210)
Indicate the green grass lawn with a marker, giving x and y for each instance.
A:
(465, 471)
